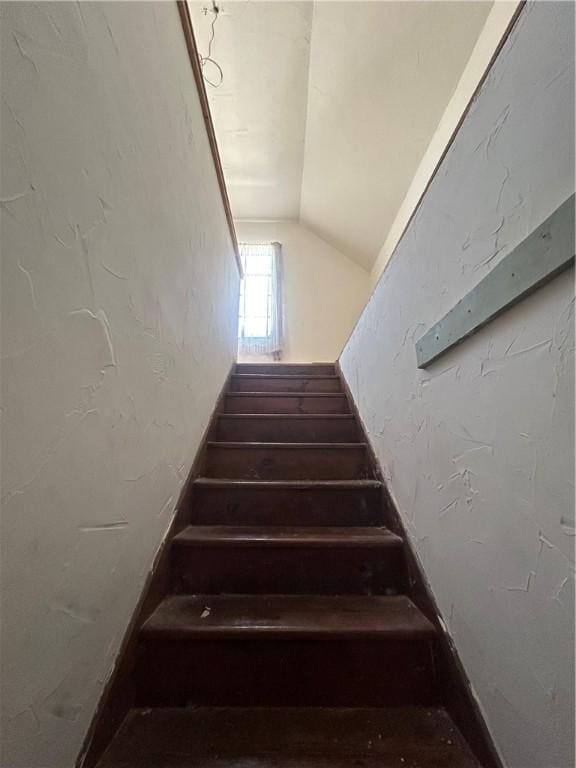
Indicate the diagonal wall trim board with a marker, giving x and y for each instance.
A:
(546, 252)
(186, 21)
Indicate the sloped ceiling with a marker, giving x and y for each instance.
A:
(259, 111)
(326, 108)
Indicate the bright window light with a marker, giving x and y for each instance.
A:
(256, 297)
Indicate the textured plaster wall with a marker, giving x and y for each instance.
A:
(119, 307)
(500, 16)
(478, 450)
(324, 291)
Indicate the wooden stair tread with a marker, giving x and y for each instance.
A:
(288, 737)
(284, 446)
(279, 364)
(216, 482)
(285, 536)
(289, 368)
(288, 416)
(285, 394)
(285, 616)
(289, 376)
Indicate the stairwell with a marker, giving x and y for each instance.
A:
(288, 638)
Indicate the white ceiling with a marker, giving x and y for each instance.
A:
(326, 108)
(259, 111)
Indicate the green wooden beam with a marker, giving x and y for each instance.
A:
(545, 253)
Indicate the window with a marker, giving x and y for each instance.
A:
(259, 327)
(256, 292)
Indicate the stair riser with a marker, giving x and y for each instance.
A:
(287, 384)
(440, 758)
(287, 463)
(303, 506)
(290, 369)
(391, 732)
(285, 404)
(286, 570)
(407, 756)
(278, 430)
(351, 672)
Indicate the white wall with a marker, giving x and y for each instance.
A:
(324, 291)
(497, 22)
(381, 75)
(119, 301)
(478, 450)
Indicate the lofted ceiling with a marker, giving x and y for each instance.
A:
(326, 108)
(259, 110)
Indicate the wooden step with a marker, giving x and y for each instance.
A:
(285, 617)
(292, 369)
(253, 536)
(262, 382)
(287, 428)
(286, 560)
(284, 638)
(297, 502)
(287, 461)
(277, 402)
(271, 650)
(242, 737)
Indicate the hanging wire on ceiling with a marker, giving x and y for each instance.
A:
(208, 58)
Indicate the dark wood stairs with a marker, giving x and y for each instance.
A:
(287, 638)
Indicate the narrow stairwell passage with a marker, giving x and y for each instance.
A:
(288, 639)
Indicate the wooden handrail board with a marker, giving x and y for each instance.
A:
(539, 258)
(188, 30)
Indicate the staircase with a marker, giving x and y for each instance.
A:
(287, 639)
